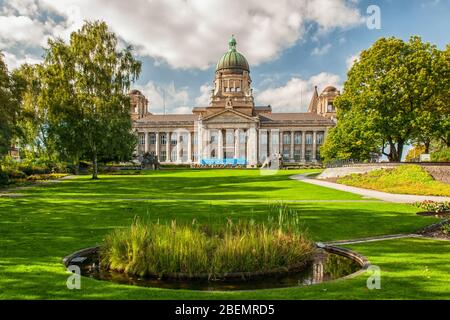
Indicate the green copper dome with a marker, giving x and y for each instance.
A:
(233, 60)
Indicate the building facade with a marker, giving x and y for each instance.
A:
(231, 129)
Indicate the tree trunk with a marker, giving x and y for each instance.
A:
(95, 167)
(395, 152)
(427, 146)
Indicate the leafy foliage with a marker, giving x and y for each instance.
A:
(85, 90)
(394, 94)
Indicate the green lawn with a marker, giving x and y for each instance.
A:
(51, 221)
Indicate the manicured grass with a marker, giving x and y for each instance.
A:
(405, 179)
(193, 185)
(51, 221)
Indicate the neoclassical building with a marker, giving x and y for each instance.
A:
(231, 129)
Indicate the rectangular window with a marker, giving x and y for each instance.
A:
(298, 138)
(309, 139)
(286, 153)
(275, 138)
(287, 138)
(163, 157)
(230, 137)
(173, 155)
(330, 107)
(174, 139)
(308, 155)
(320, 138)
(152, 139)
(297, 153)
(162, 139)
(141, 139)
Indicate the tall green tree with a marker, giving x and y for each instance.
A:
(388, 99)
(33, 126)
(86, 84)
(9, 107)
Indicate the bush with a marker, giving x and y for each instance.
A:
(45, 177)
(431, 206)
(172, 250)
(441, 156)
(4, 179)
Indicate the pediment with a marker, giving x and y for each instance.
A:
(228, 116)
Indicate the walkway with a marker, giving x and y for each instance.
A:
(389, 197)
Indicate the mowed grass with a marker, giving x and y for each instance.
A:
(49, 222)
(405, 179)
(192, 185)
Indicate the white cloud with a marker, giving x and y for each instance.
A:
(193, 34)
(21, 29)
(321, 51)
(14, 61)
(205, 95)
(175, 100)
(296, 94)
(350, 61)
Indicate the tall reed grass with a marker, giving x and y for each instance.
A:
(194, 250)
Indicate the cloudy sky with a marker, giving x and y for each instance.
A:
(291, 45)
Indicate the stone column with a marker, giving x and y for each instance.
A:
(178, 146)
(262, 145)
(168, 143)
(199, 127)
(276, 149)
(269, 143)
(292, 146)
(237, 143)
(252, 147)
(145, 141)
(220, 144)
(314, 146)
(303, 146)
(207, 143)
(157, 145)
(189, 148)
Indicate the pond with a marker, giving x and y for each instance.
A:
(325, 266)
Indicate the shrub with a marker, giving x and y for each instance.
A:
(173, 250)
(431, 206)
(44, 177)
(4, 179)
(442, 155)
(15, 174)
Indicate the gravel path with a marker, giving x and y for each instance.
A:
(389, 197)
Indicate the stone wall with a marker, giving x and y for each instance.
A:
(331, 173)
(440, 173)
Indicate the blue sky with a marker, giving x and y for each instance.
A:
(291, 46)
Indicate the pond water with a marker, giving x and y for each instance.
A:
(325, 267)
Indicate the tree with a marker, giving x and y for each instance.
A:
(85, 85)
(390, 94)
(9, 107)
(33, 128)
